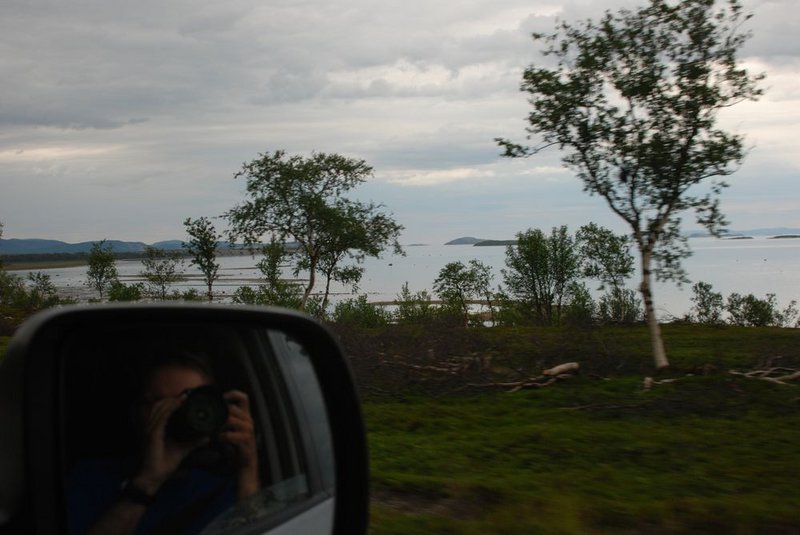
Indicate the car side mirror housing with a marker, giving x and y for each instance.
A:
(71, 402)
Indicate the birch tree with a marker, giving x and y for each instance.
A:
(633, 101)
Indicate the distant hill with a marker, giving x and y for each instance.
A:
(168, 245)
(465, 241)
(15, 246)
(480, 242)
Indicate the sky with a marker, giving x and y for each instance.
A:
(119, 120)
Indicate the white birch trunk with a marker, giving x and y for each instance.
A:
(657, 343)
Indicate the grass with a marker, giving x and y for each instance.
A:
(598, 454)
(707, 454)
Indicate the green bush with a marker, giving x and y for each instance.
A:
(620, 305)
(119, 291)
(266, 295)
(580, 310)
(359, 312)
(414, 308)
(750, 311)
(39, 292)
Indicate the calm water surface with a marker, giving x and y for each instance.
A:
(758, 266)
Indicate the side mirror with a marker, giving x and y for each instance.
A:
(71, 404)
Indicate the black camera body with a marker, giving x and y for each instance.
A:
(202, 415)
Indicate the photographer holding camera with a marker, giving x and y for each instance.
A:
(170, 488)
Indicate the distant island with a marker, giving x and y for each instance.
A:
(480, 242)
(495, 243)
(465, 241)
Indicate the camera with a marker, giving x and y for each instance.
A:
(202, 414)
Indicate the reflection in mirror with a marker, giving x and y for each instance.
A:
(183, 428)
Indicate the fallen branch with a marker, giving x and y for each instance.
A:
(561, 372)
(765, 375)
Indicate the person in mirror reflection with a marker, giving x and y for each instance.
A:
(158, 493)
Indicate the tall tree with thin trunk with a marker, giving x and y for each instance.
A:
(633, 100)
(202, 247)
(102, 270)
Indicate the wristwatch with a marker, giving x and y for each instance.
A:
(132, 493)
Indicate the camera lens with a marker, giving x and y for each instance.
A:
(202, 414)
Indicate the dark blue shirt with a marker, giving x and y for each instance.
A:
(185, 503)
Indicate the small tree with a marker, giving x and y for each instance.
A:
(540, 270)
(202, 247)
(458, 284)
(606, 257)
(102, 270)
(293, 198)
(161, 270)
(42, 292)
(708, 304)
(634, 100)
(414, 308)
(750, 311)
(275, 291)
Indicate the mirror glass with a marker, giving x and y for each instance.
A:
(195, 427)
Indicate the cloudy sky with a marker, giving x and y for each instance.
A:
(120, 119)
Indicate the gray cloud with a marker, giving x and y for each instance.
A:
(130, 117)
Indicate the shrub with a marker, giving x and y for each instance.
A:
(750, 311)
(283, 296)
(39, 293)
(187, 295)
(119, 291)
(580, 308)
(620, 305)
(358, 312)
(414, 308)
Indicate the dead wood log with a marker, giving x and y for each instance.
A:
(567, 367)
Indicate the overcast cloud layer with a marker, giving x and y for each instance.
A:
(120, 119)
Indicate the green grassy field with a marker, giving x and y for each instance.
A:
(713, 453)
(598, 453)
(705, 455)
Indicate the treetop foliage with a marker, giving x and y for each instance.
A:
(286, 193)
(634, 100)
(302, 199)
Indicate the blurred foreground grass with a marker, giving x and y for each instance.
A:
(710, 453)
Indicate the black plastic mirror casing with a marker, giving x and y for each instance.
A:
(31, 500)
